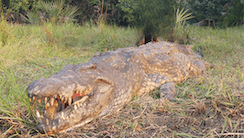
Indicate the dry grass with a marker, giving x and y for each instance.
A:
(208, 106)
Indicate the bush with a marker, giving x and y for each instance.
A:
(13, 8)
(236, 14)
(154, 17)
(55, 12)
(207, 9)
(181, 33)
(94, 9)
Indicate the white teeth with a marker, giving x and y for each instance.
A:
(78, 105)
(45, 100)
(62, 115)
(81, 100)
(47, 105)
(52, 101)
(56, 103)
(70, 100)
(37, 114)
(75, 107)
(65, 99)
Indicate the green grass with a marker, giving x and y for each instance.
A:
(206, 106)
(29, 52)
(20, 43)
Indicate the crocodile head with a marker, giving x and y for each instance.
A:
(60, 104)
(66, 102)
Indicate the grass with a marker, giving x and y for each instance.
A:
(206, 106)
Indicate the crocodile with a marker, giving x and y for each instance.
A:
(77, 94)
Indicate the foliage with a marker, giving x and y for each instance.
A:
(236, 14)
(128, 6)
(207, 9)
(181, 34)
(18, 5)
(93, 9)
(54, 11)
(154, 17)
(13, 8)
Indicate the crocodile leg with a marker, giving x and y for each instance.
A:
(151, 82)
(168, 91)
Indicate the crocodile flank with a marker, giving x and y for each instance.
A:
(78, 93)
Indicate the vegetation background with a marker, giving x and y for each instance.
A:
(38, 38)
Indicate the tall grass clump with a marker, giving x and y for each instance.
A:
(25, 42)
(181, 32)
(28, 52)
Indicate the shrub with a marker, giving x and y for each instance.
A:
(13, 8)
(181, 34)
(55, 12)
(207, 9)
(236, 14)
(154, 17)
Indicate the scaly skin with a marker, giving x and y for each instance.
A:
(109, 80)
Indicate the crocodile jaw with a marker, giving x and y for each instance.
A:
(63, 120)
(62, 108)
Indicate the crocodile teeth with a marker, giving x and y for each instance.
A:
(62, 115)
(62, 98)
(47, 105)
(37, 114)
(75, 107)
(52, 101)
(78, 105)
(70, 100)
(34, 98)
(56, 103)
(81, 100)
(45, 100)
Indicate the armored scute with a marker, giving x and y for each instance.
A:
(78, 93)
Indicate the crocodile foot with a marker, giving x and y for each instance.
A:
(168, 91)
